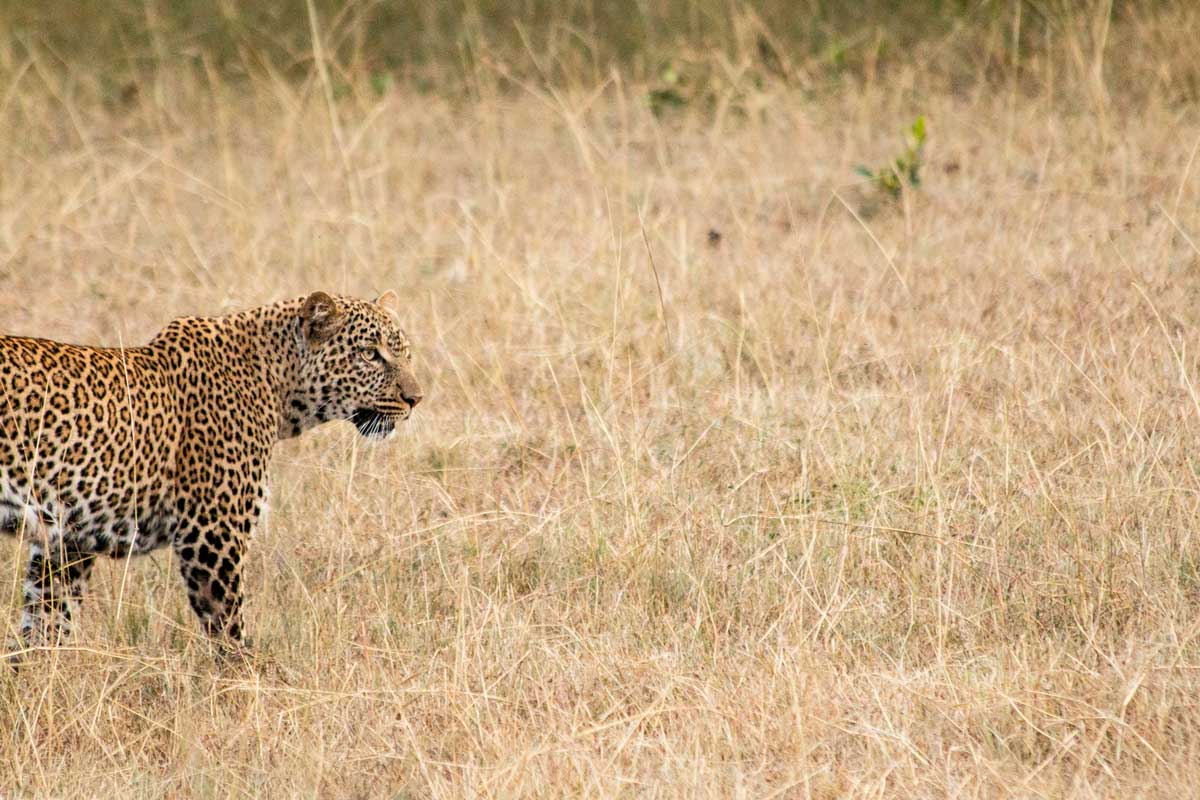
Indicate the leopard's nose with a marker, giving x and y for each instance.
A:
(412, 398)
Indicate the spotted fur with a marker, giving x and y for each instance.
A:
(118, 452)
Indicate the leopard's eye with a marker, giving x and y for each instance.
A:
(372, 354)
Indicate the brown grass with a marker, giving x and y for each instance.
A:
(899, 504)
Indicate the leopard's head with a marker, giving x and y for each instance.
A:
(355, 364)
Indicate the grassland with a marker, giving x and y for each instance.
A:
(733, 479)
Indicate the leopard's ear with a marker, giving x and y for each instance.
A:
(321, 317)
(390, 301)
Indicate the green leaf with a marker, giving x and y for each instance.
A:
(381, 82)
(918, 130)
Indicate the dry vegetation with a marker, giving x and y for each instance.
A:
(890, 504)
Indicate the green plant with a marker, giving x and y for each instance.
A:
(905, 168)
(668, 94)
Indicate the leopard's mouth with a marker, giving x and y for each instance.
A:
(373, 424)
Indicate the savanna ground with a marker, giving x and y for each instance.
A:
(850, 497)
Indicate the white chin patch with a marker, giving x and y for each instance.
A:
(380, 434)
(372, 424)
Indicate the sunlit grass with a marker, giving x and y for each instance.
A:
(895, 502)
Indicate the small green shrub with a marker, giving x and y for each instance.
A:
(668, 94)
(890, 179)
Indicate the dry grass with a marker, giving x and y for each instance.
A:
(899, 506)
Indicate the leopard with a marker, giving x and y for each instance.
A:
(120, 451)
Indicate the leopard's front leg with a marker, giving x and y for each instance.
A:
(210, 562)
(220, 497)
